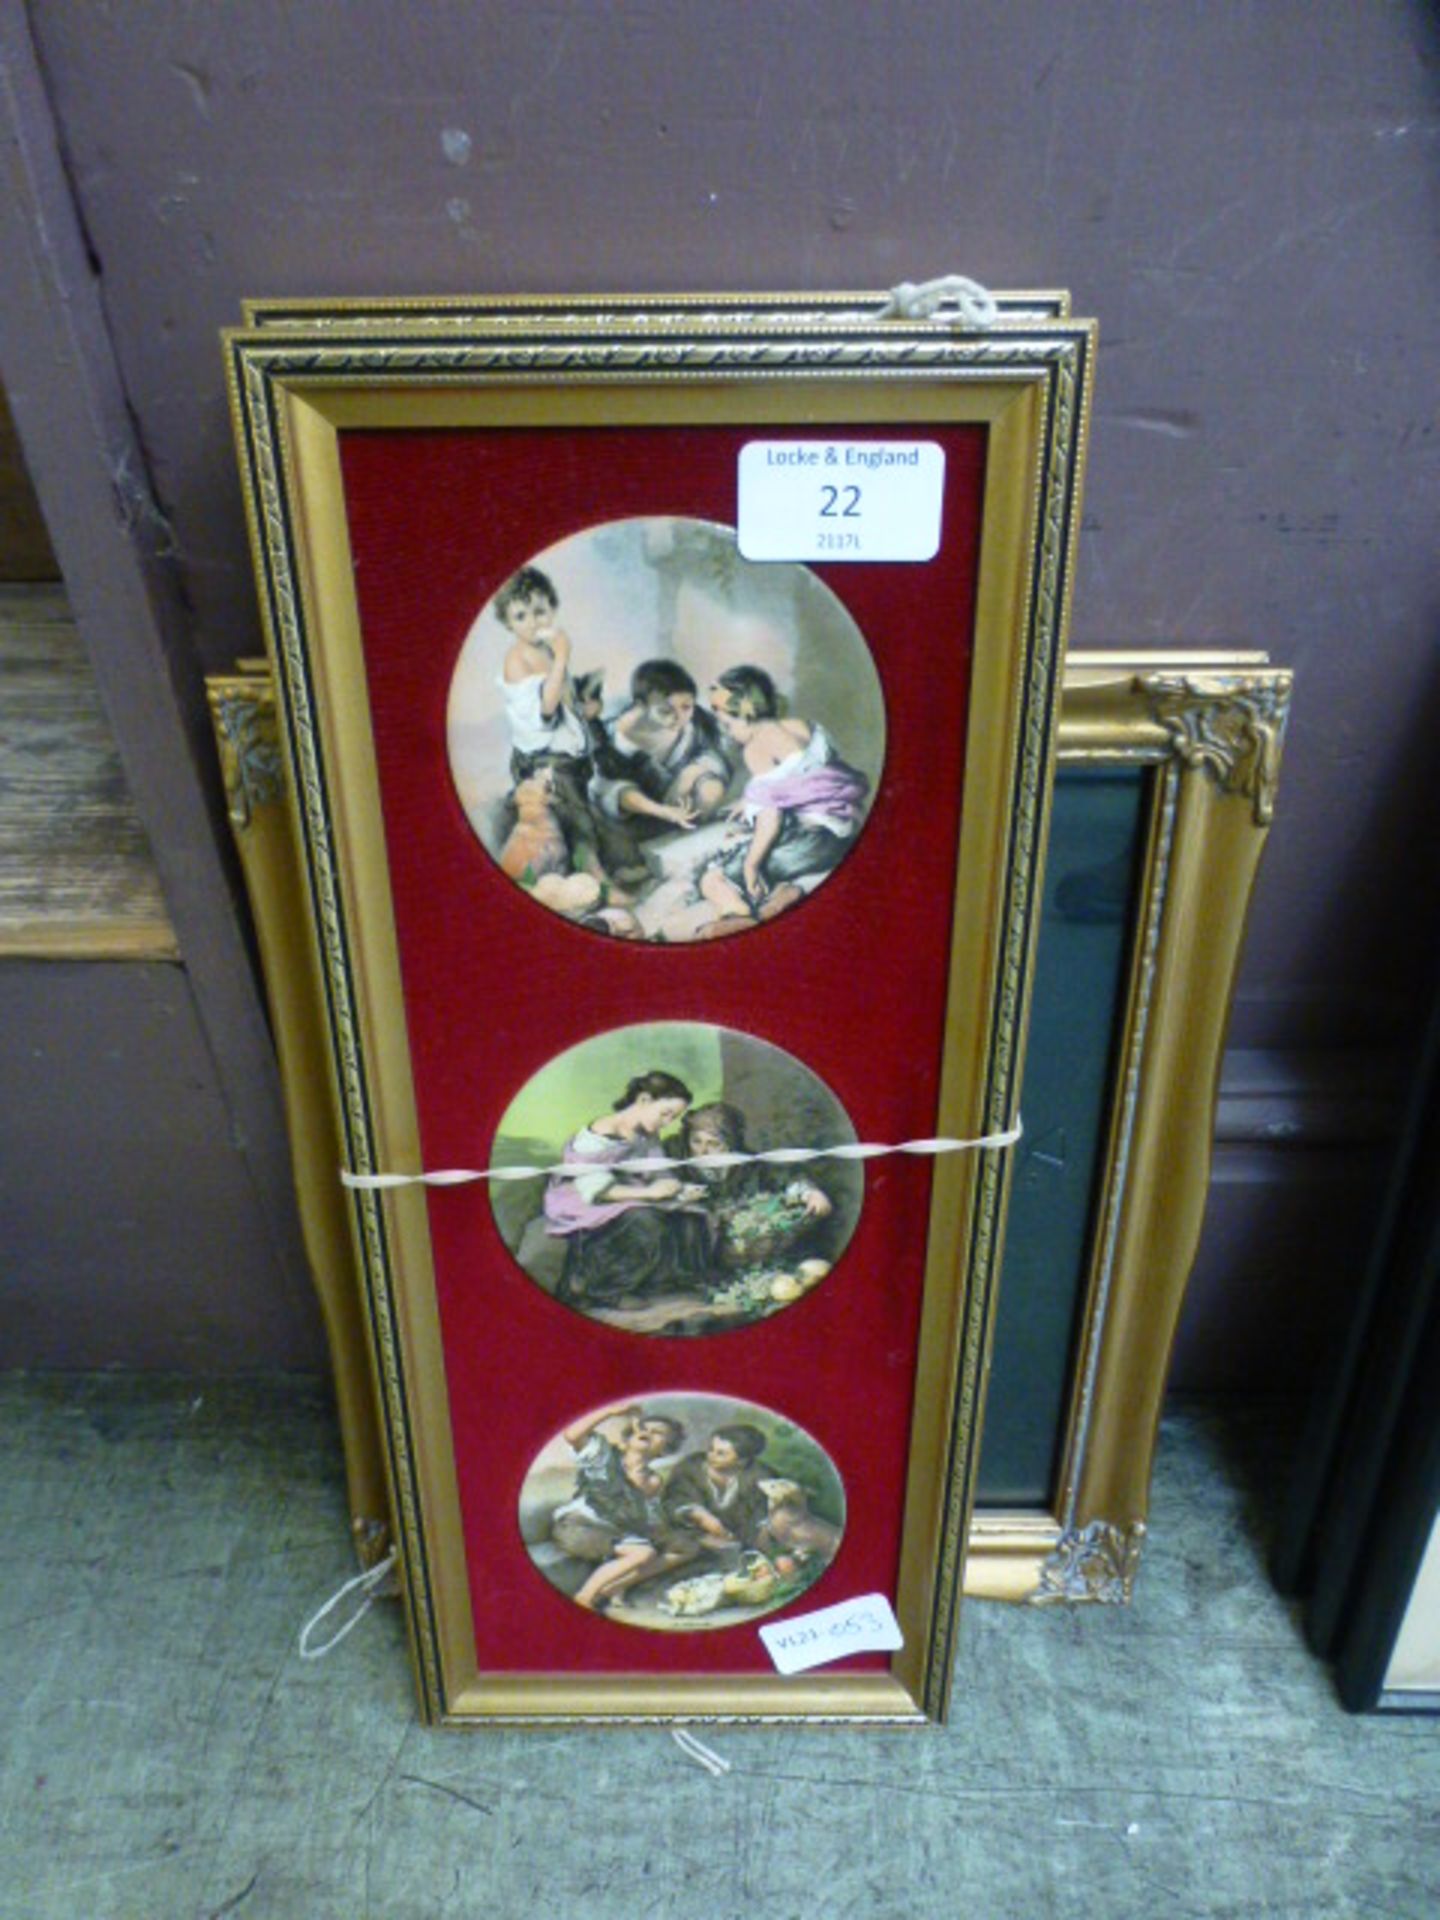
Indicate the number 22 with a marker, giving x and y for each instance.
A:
(832, 510)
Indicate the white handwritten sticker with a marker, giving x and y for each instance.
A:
(840, 499)
(867, 1625)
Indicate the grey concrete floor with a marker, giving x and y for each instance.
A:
(164, 1752)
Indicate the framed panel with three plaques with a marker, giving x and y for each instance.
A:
(667, 691)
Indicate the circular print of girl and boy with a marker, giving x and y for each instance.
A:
(682, 1511)
(691, 1251)
(660, 740)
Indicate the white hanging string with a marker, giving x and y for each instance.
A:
(370, 1584)
(664, 1163)
(696, 1750)
(974, 305)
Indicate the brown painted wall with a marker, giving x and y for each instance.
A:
(1245, 196)
(130, 1231)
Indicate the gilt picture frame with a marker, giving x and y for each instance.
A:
(1110, 1192)
(341, 432)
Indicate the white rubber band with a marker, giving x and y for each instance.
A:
(696, 1750)
(974, 305)
(370, 1584)
(663, 1163)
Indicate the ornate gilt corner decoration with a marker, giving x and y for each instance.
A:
(1231, 724)
(249, 740)
(1095, 1563)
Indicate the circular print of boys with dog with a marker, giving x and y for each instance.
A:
(618, 1222)
(682, 1511)
(660, 740)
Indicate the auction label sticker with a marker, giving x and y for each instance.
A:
(840, 499)
(866, 1625)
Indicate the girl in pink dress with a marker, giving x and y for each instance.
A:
(799, 814)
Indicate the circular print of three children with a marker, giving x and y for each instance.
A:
(660, 740)
(696, 1250)
(681, 1511)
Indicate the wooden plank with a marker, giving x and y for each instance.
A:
(77, 878)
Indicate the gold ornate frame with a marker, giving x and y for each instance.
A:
(293, 391)
(252, 763)
(1211, 727)
(434, 316)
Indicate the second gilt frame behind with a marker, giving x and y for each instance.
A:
(1210, 727)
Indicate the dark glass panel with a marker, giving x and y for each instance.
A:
(1086, 932)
